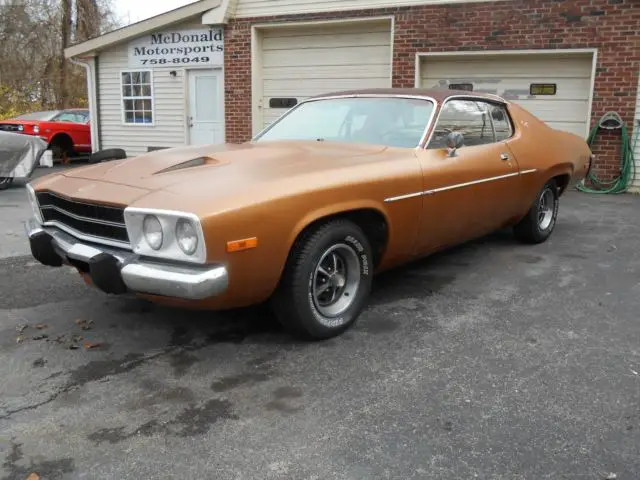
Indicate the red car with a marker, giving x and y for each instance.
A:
(66, 132)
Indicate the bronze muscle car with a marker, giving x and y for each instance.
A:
(340, 187)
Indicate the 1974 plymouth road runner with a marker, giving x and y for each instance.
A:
(340, 187)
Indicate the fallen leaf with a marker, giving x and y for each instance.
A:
(42, 326)
(40, 337)
(20, 339)
(33, 476)
(634, 372)
(611, 476)
(73, 347)
(21, 328)
(85, 324)
(91, 346)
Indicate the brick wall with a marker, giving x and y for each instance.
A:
(611, 26)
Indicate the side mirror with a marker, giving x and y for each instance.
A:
(455, 140)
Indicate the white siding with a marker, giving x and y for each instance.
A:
(635, 133)
(510, 77)
(264, 8)
(169, 105)
(300, 62)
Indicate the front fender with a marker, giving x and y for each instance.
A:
(336, 209)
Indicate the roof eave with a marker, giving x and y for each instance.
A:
(94, 45)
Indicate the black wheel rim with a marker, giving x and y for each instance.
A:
(336, 280)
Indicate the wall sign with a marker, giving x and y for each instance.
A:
(173, 48)
(461, 86)
(543, 89)
(282, 102)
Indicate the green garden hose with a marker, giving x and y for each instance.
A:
(621, 183)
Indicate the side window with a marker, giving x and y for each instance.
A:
(469, 117)
(501, 122)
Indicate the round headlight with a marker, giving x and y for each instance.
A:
(36, 129)
(152, 230)
(186, 236)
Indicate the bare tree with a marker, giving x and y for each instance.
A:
(65, 37)
(88, 20)
(33, 35)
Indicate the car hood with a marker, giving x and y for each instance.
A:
(20, 122)
(228, 164)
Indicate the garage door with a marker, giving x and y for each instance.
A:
(300, 62)
(555, 88)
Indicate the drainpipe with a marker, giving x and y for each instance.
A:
(91, 94)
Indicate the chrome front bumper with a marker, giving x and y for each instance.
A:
(119, 271)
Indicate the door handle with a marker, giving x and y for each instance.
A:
(504, 156)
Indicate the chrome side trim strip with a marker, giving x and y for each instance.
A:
(81, 218)
(457, 185)
(403, 197)
(468, 184)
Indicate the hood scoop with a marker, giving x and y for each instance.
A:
(196, 162)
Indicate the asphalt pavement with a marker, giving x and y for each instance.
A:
(494, 361)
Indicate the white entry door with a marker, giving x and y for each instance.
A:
(206, 107)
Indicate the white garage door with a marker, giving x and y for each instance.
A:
(564, 78)
(299, 62)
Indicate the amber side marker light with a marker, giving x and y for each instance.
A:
(239, 245)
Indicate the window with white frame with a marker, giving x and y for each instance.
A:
(137, 97)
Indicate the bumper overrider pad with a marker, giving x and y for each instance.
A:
(42, 250)
(104, 270)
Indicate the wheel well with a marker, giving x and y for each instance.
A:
(562, 181)
(62, 140)
(372, 222)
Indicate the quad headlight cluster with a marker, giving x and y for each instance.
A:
(165, 234)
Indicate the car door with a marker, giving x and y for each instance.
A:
(469, 192)
(77, 127)
(84, 131)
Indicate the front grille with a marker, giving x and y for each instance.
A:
(7, 127)
(99, 221)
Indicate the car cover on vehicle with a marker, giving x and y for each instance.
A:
(19, 154)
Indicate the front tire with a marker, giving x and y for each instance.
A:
(538, 224)
(326, 282)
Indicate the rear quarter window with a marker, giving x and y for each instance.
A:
(501, 122)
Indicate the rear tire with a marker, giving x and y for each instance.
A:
(108, 154)
(326, 281)
(538, 224)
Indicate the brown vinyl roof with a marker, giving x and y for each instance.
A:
(439, 94)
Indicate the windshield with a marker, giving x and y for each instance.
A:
(390, 121)
(74, 116)
(38, 115)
